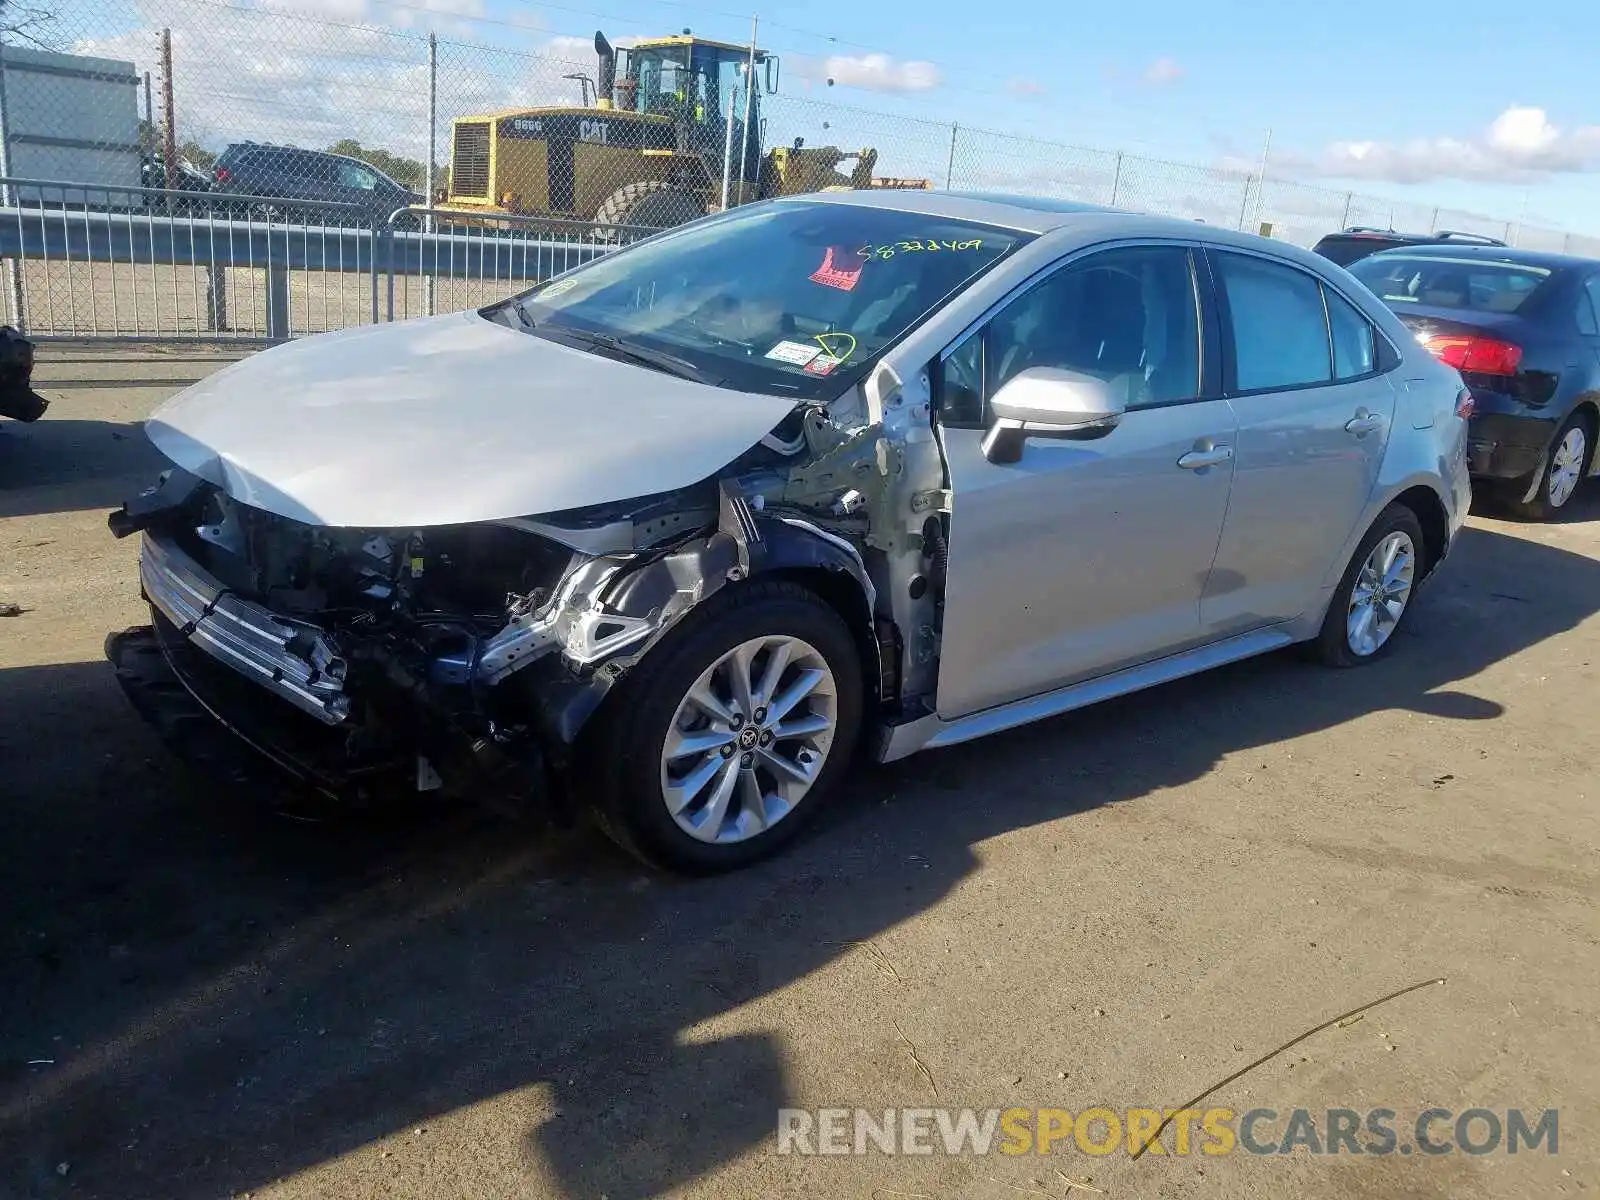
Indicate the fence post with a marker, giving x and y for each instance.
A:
(1433, 226)
(1349, 199)
(13, 267)
(372, 251)
(1116, 180)
(216, 296)
(383, 239)
(277, 301)
(950, 162)
(1244, 203)
(428, 285)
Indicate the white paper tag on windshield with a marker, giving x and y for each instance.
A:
(796, 354)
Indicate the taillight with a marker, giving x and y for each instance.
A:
(1466, 352)
(223, 174)
(1465, 404)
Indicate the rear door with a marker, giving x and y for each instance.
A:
(1302, 372)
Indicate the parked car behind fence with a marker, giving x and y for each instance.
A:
(287, 178)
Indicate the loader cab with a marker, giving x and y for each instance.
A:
(694, 81)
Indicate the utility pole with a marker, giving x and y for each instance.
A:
(428, 282)
(1261, 176)
(13, 268)
(727, 147)
(170, 135)
(749, 99)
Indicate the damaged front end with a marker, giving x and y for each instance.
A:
(467, 659)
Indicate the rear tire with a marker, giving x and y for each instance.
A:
(663, 808)
(1566, 466)
(1383, 574)
(652, 203)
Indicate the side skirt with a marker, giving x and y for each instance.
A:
(930, 732)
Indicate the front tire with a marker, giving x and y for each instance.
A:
(1565, 468)
(1374, 597)
(725, 740)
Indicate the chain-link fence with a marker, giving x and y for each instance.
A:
(262, 168)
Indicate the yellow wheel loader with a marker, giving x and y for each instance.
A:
(651, 149)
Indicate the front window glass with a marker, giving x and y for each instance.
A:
(662, 75)
(793, 298)
(1125, 316)
(1435, 281)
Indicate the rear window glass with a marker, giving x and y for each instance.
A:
(1470, 284)
(1346, 250)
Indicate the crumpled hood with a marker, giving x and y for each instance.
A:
(450, 419)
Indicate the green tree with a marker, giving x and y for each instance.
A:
(198, 155)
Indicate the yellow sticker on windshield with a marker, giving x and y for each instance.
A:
(918, 245)
(558, 287)
(834, 344)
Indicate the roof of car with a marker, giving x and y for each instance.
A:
(1042, 214)
(1030, 214)
(1505, 254)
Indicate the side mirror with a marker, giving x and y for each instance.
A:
(1050, 402)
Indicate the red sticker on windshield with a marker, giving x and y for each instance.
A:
(840, 269)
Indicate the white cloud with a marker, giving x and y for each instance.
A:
(1520, 145)
(872, 72)
(1163, 71)
(276, 73)
(1027, 89)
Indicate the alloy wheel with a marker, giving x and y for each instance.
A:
(749, 739)
(1566, 466)
(1382, 591)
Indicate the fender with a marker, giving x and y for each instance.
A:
(748, 542)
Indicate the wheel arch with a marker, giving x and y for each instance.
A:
(1587, 410)
(1431, 514)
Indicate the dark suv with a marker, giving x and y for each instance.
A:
(1358, 241)
(289, 181)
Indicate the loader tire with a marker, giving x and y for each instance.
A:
(650, 203)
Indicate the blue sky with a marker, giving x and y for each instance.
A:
(1469, 107)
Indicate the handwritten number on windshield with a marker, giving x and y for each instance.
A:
(914, 245)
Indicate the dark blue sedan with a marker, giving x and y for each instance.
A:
(1523, 328)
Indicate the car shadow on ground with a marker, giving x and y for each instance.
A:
(230, 995)
(61, 465)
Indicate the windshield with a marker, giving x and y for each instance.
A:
(1435, 281)
(791, 298)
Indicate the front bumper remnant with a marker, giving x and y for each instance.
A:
(292, 660)
(213, 719)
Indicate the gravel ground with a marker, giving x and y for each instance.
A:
(200, 997)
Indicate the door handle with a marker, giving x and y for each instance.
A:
(1199, 460)
(1363, 423)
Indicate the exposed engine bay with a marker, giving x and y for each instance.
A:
(468, 659)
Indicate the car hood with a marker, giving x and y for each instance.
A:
(446, 420)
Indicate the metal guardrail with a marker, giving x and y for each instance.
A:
(154, 263)
(491, 251)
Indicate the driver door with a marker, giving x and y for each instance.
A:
(1084, 556)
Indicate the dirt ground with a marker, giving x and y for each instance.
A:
(200, 997)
